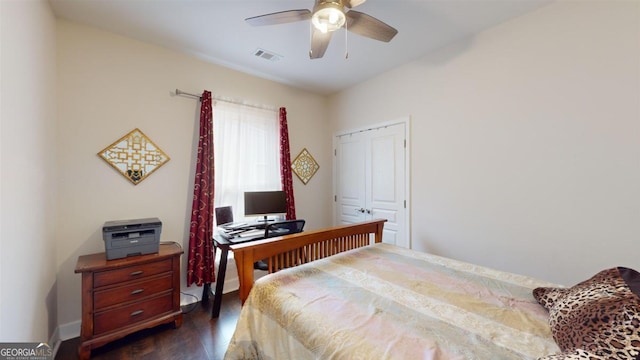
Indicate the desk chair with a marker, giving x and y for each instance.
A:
(283, 228)
(279, 229)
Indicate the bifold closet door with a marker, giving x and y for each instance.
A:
(370, 179)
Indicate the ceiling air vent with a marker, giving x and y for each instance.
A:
(268, 55)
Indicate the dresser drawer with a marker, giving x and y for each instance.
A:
(127, 315)
(109, 277)
(135, 291)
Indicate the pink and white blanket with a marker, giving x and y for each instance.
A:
(386, 302)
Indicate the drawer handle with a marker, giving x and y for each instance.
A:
(135, 273)
(136, 292)
(137, 312)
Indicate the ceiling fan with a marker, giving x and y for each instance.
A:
(327, 17)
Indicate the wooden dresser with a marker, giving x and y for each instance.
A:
(125, 295)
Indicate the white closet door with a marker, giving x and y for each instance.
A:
(371, 180)
(351, 194)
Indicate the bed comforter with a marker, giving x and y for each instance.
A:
(386, 302)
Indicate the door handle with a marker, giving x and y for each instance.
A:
(369, 211)
(361, 210)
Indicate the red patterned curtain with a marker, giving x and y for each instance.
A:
(200, 269)
(285, 165)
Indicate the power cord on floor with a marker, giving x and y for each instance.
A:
(192, 306)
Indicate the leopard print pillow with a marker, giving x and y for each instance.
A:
(596, 319)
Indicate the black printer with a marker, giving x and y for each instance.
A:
(123, 238)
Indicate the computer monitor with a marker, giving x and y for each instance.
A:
(265, 203)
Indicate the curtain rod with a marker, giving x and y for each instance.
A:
(232, 101)
(183, 93)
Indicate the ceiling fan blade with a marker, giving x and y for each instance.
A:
(366, 25)
(353, 3)
(281, 17)
(319, 43)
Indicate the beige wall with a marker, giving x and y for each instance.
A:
(525, 141)
(28, 173)
(109, 85)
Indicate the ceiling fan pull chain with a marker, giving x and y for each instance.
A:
(310, 38)
(346, 40)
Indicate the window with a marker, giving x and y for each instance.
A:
(247, 153)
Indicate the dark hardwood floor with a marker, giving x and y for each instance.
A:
(199, 337)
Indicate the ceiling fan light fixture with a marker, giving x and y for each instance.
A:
(328, 17)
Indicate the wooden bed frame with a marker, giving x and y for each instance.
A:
(296, 249)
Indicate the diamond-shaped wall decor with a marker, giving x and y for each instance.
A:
(305, 166)
(135, 156)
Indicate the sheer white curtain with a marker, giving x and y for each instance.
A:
(247, 156)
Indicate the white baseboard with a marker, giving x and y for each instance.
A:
(231, 285)
(231, 281)
(54, 342)
(69, 330)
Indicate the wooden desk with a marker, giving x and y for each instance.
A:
(126, 295)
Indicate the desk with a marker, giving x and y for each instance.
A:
(222, 244)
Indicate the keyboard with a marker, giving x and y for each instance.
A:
(234, 226)
(251, 233)
(241, 235)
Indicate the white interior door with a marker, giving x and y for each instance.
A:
(371, 172)
(351, 195)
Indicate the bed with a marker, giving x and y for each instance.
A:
(379, 301)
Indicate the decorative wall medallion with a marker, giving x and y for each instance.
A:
(135, 156)
(305, 166)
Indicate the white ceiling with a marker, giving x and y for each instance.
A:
(215, 31)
